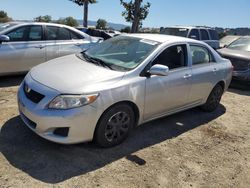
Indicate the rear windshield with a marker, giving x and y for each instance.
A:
(240, 44)
(182, 32)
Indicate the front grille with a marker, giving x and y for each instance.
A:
(239, 65)
(32, 95)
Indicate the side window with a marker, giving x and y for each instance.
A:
(18, 34)
(64, 34)
(204, 34)
(75, 36)
(35, 33)
(173, 57)
(214, 35)
(52, 32)
(200, 55)
(194, 34)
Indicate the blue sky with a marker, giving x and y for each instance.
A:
(221, 13)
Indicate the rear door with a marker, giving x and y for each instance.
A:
(25, 49)
(204, 73)
(214, 38)
(70, 42)
(194, 34)
(52, 48)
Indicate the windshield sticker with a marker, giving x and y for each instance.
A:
(151, 42)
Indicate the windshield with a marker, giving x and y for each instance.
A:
(182, 32)
(6, 26)
(240, 44)
(122, 53)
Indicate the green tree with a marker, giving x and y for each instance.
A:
(85, 4)
(70, 21)
(45, 18)
(135, 12)
(126, 30)
(101, 24)
(4, 17)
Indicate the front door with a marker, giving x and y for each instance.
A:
(25, 49)
(164, 94)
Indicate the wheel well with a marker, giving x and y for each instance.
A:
(131, 104)
(222, 84)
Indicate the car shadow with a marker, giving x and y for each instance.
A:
(8, 81)
(239, 85)
(53, 163)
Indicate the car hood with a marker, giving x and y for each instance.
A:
(72, 75)
(226, 52)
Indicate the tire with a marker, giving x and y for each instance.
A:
(114, 125)
(213, 99)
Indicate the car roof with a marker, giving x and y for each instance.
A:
(190, 27)
(18, 24)
(39, 23)
(163, 38)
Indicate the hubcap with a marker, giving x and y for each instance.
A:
(117, 126)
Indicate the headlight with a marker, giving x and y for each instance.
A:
(71, 101)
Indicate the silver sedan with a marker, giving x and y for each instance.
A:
(24, 45)
(128, 80)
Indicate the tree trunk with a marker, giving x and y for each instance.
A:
(85, 18)
(136, 22)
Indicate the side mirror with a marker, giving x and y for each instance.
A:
(4, 38)
(159, 70)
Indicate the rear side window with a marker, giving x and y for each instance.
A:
(35, 33)
(194, 34)
(18, 34)
(61, 33)
(64, 34)
(52, 32)
(200, 55)
(204, 34)
(214, 35)
(74, 35)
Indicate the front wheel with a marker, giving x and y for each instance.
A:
(213, 99)
(114, 125)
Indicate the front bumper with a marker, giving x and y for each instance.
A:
(242, 75)
(79, 123)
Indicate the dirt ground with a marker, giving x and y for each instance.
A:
(189, 149)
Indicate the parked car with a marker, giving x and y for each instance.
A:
(125, 81)
(95, 32)
(225, 41)
(24, 45)
(238, 52)
(104, 34)
(205, 34)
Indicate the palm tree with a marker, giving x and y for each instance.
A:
(85, 4)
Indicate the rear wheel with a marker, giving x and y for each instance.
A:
(213, 99)
(114, 125)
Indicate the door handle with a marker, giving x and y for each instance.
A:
(78, 44)
(187, 76)
(40, 46)
(214, 70)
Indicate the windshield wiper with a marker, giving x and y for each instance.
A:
(96, 61)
